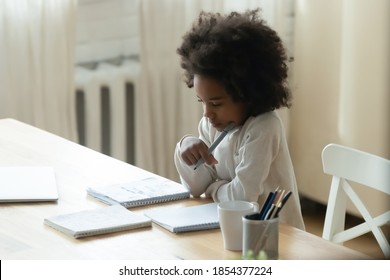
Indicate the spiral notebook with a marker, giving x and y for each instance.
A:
(97, 221)
(183, 219)
(143, 192)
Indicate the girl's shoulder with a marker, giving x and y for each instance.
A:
(265, 121)
(263, 127)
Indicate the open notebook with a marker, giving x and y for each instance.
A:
(27, 183)
(143, 192)
(182, 219)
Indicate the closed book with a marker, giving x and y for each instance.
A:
(143, 192)
(97, 221)
(28, 184)
(184, 219)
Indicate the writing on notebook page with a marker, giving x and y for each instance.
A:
(142, 192)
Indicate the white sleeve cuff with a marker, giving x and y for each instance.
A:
(216, 191)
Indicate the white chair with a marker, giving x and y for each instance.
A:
(347, 164)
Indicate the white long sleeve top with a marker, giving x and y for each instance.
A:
(253, 160)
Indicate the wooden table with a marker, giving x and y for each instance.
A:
(24, 236)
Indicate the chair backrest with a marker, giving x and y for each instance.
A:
(350, 165)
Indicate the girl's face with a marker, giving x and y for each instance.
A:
(218, 106)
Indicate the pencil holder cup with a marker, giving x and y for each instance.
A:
(260, 238)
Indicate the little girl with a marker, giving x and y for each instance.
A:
(237, 67)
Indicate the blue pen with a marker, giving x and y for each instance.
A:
(269, 204)
(264, 208)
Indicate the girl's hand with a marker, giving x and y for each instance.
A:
(192, 149)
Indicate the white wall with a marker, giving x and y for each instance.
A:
(106, 29)
(341, 87)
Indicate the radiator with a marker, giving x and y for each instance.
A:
(105, 108)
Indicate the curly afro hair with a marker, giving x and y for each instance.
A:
(241, 52)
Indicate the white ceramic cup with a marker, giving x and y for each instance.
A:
(230, 215)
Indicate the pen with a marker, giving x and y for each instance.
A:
(265, 205)
(269, 204)
(282, 203)
(272, 213)
(216, 143)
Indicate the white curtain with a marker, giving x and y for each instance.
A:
(37, 41)
(165, 109)
(341, 87)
